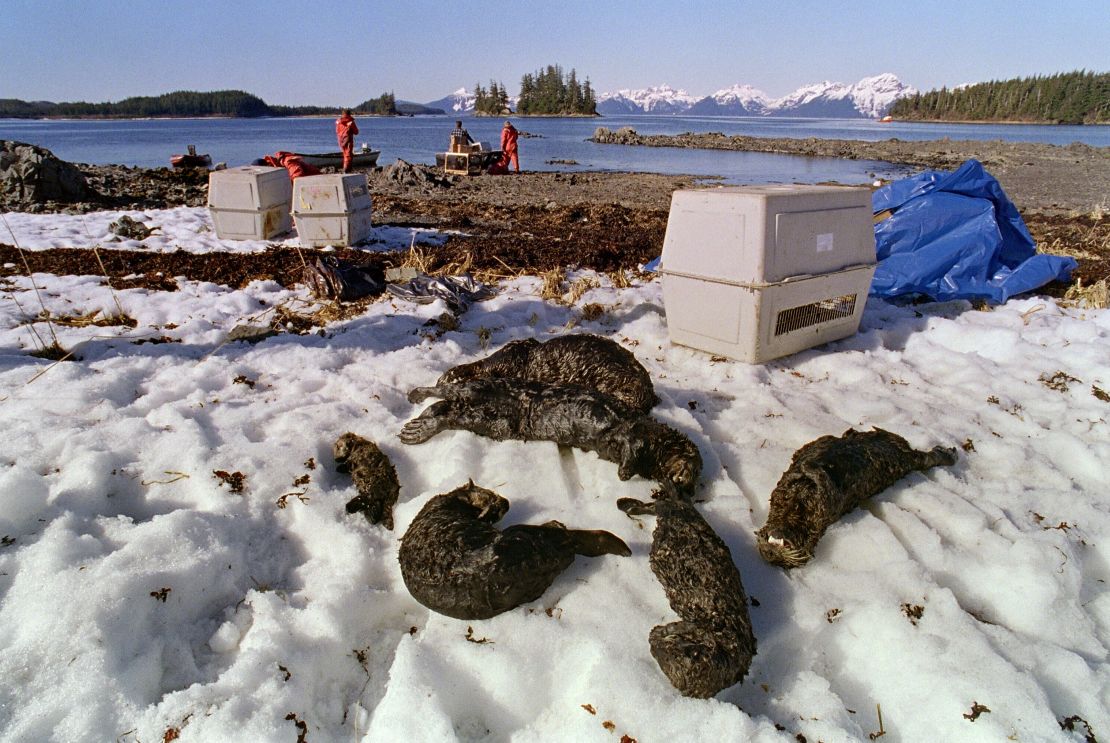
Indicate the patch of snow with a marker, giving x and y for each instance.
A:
(140, 595)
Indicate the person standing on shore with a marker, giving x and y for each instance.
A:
(509, 136)
(345, 131)
(460, 138)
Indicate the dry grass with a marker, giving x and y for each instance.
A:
(621, 279)
(580, 287)
(421, 261)
(53, 352)
(1095, 297)
(457, 268)
(90, 319)
(552, 288)
(1083, 236)
(593, 311)
(417, 258)
(298, 316)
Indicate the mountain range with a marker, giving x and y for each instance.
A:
(869, 98)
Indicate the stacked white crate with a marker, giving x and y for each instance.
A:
(332, 209)
(758, 272)
(250, 202)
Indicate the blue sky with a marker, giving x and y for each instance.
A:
(333, 53)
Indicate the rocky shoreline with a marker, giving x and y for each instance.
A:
(1075, 177)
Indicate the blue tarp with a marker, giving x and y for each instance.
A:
(956, 236)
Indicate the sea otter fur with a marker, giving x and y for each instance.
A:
(829, 477)
(570, 415)
(455, 561)
(591, 361)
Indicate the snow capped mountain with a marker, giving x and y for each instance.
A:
(459, 102)
(747, 96)
(871, 97)
(874, 96)
(819, 99)
(739, 100)
(659, 99)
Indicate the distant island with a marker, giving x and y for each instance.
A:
(548, 92)
(1068, 98)
(190, 104)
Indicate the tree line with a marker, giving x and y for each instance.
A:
(547, 92)
(230, 103)
(1078, 97)
(491, 101)
(383, 105)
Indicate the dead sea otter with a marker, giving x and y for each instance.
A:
(456, 562)
(505, 409)
(829, 477)
(712, 646)
(590, 361)
(373, 474)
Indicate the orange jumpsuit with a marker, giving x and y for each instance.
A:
(293, 163)
(345, 131)
(509, 136)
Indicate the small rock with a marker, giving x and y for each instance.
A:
(250, 333)
(129, 229)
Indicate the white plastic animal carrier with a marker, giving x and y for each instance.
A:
(250, 202)
(332, 209)
(758, 272)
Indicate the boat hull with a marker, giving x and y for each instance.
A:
(366, 159)
(190, 161)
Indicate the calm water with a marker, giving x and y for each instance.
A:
(150, 142)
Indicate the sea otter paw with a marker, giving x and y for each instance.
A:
(419, 430)
(375, 511)
(633, 507)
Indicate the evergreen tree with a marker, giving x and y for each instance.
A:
(550, 92)
(1079, 97)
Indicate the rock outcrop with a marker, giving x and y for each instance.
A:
(32, 174)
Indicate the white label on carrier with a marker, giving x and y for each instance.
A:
(824, 242)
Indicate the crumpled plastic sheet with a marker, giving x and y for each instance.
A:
(458, 292)
(331, 278)
(956, 236)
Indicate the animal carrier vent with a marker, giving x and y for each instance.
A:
(815, 313)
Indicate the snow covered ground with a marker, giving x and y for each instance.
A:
(142, 598)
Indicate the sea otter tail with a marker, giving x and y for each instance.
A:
(593, 543)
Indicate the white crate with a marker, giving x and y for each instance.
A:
(768, 233)
(755, 323)
(758, 272)
(249, 188)
(333, 193)
(332, 209)
(340, 230)
(236, 224)
(251, 202)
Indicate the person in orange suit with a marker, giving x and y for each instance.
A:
(345, 131)
(291, 162)
(509, 136)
